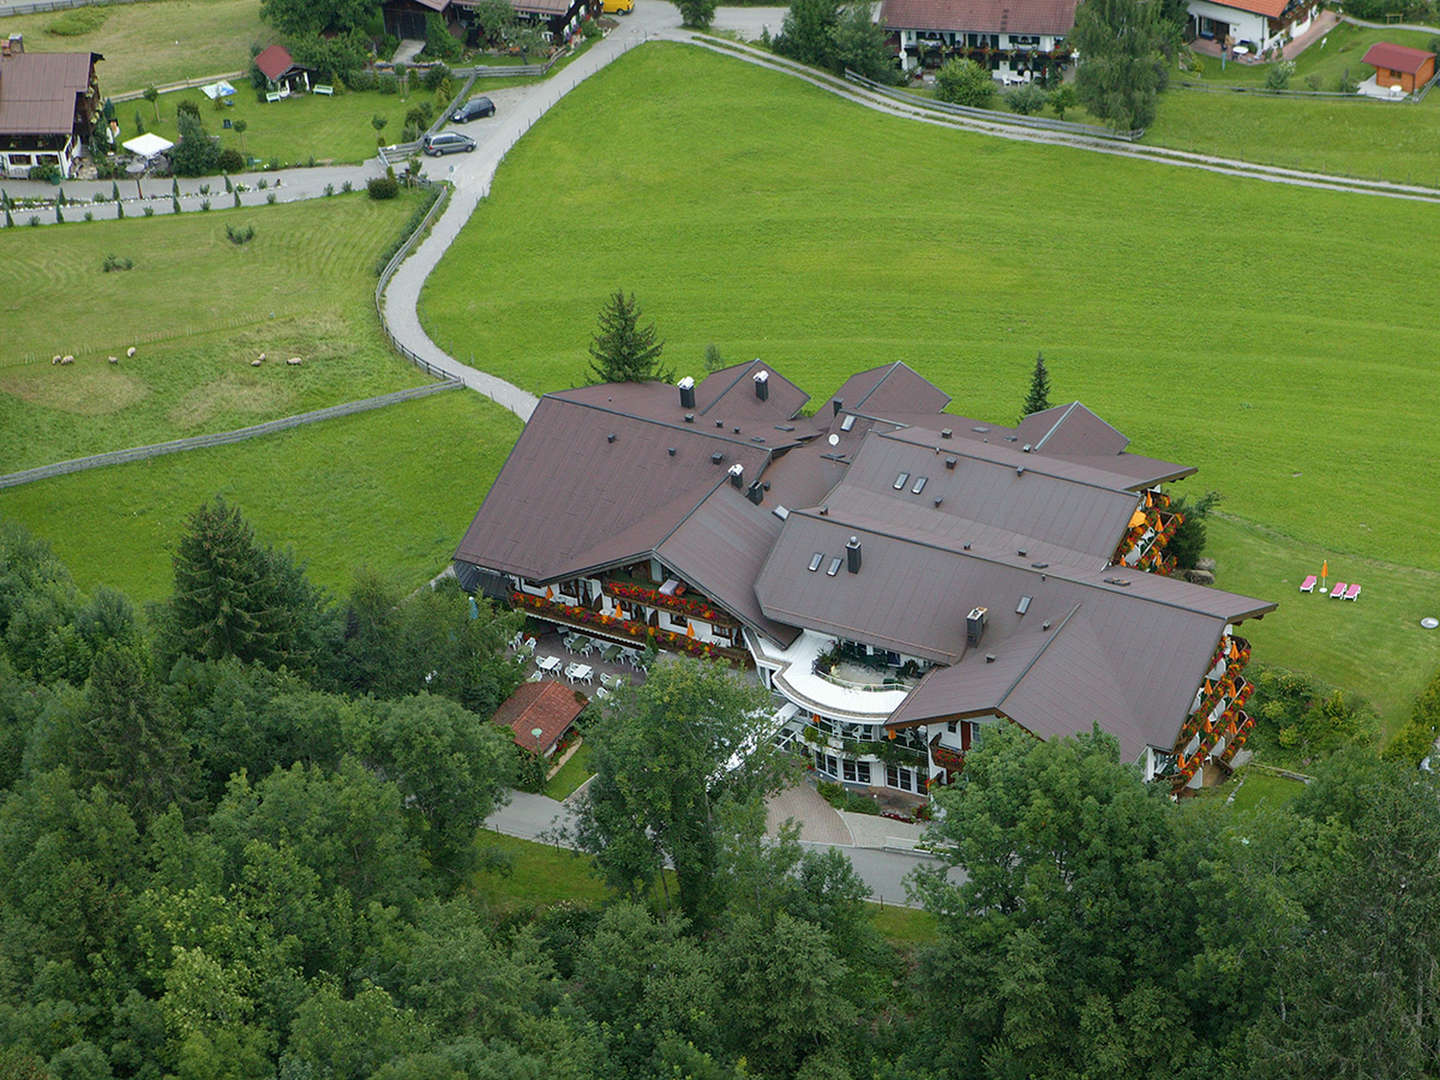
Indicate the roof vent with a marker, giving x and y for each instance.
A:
(1012, 438)
(981, 430)
(816, 560)
(824, 511)
(852, 555)
(965, 547)
(736, 431)
(689, 418)
(837, 405)
(781, 512)
(939, 499)
(610, 437)
(1025, 449)
(784, 427)
(1039, 565)
(945, 433)
(1023, 606)
(1045, 625)
(737, 475)
(670, 450)
(716, 458)
(989, 658)
(949, 463)
(719, 423)
(755, 493)
(762, 385)
(1020, 552)
(834, 567)
(687, 393)
(1019, 470)
(848, 422)
(975, 626)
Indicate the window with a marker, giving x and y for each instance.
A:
(904, 779)
(951, 726)
(834, 567)
(919, 485)
(847, 423)
(862, 771)
(19, 159)
(850, 770)
(900, 480)
(679, 621)
(816, 560)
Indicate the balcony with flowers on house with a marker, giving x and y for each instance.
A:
(1151, 528)
(1214, 732)
(623, 625)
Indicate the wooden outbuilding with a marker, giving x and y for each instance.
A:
(547, 707)
(1399, 65)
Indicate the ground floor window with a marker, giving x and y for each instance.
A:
(899, 777)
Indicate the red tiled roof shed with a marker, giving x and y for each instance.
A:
(546, 705)
(275, 61)
(1397, 65)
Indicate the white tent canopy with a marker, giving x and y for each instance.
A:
(217, 90)
(147, 145)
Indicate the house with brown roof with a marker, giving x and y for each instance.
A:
(283, 75)
(1013, 38)
(558, 19)
(1400, 67)
(49, 103)
(1257, 26)
(547, 707)
(897, 575)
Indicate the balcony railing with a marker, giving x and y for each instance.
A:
(615, 627)
(689, 606)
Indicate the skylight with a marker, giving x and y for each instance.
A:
(848, 422)
(1023, 606)
(816, 560)
(919, 485)
(900, 480)
(834, 567)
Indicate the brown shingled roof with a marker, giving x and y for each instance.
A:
(1384, 54)
(546, 705)
(276, 61)
(981, 16)
(38, 91)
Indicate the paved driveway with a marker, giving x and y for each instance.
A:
(817, 819)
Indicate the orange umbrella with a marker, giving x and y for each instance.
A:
(1325, 569)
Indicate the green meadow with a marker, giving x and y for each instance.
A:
(198, 308)
(1251, 329)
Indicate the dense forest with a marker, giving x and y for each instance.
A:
(239, 837)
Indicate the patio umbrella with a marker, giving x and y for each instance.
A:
(217, 90)
(147, 145)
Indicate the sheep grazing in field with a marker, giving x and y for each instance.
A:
(294, 361)
(130, 351)
(67, 359)
(262, 358)
(114, 359)
(55, 359)
(255, 363)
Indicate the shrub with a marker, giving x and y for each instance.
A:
(230, 160)
(1278, 77)
(113, 262)
(382, 187)
(270, 198)
(1027, 100)
(99, 196)
(139, 123)
(204, 189)
(1345, 84)
(89, 215)
(388, 84)
(240, 236)
(329, 190)
(34, 219)
(421, 115)
(347, 187)
(1417, 737)
(237, 198)
(1304, 717)
(149, 211)
(1313, 82)
(78, 23)
(49, 171)
(262, 183)
(187, 107)
(436, 76)
(196, 154)
(426, 201)
(204, 204)
(362, 80)
(440, 44)
(964, 82)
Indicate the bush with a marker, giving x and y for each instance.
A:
(1278, 77)
(240, 236)
(270, 199)
(49, 171)
(382, 187)
(34, 219)
(388, 84)
(78, 23)
(1298, 718)
(149, 211)
(187, 107)
(1345, 84)
(230, 160)
(329, 190)
(113, 262)
(196, 154)
(362, 80)
(420, 115)
(435, 77)
(89, 215)
(347, 187)
(426, 202)
(1027, 100)
(440, 44)
(964, 82)
(1417, 737)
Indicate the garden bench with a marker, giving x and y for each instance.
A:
(319, 88)
(272, 97)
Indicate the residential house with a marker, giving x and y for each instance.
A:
(896, 575)
(1397, 66)
(49, 104)
(559, 19)
(1256, 26)
(1013, 38)
(283, 75)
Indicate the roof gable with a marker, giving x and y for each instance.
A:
(546, 705)
(1384, 54)
(38, 91)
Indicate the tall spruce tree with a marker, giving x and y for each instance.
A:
(623, 350)
(1038, 398)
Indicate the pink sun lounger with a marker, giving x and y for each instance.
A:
(1352, 593)
(1338, 593)
(1308, 585)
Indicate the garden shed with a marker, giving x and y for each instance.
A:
(548, 707)
(1399, 65)
(283, 74)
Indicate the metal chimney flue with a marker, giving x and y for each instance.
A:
(762, 385)
(737, 475)
(852, 555)
(975, 626)
(687, 392)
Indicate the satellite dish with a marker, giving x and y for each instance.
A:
(834, 440)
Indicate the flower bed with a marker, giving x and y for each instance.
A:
(663, 639)
(685, 605)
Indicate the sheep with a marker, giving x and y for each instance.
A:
(130, 352)
(254, 363)
(262, 357)
(294, 361)
(67, 359)
(114, 359)
(55, 359)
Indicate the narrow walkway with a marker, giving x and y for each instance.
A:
(1417, 27)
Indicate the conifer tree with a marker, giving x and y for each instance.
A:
(623, 350)
(1038, 399)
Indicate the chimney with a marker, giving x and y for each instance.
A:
(837, 404)
(762, 385)
(852, 555)
(975, 626)
(737, 475)
(687, 392)
(755, 493)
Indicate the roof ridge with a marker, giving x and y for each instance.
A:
(890, 370)
(693, 429)
(1000, 701)
(731, 385)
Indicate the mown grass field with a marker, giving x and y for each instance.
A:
(329, 129)
(571, 775)
(391, 489)
(153, 43)
(1298, 372)
(200, 309)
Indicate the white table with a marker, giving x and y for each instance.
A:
(548, 663)
(579, 672)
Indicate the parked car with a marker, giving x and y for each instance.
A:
(618, 7)
(447, 142)
(473, 109)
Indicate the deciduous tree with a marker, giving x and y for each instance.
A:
(964, 82)
(1121, 70)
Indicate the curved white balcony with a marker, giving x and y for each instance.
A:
(833, 698)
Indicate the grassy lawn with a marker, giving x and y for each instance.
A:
(152, 43)
(391, 489)
(1341, 50)
(1299, 373)
(571, 775)
(1261, 788)
(201, 309)
(539, 875)
(303, 126)
(903, 926)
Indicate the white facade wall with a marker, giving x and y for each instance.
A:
(910, 40)
(1244, 25)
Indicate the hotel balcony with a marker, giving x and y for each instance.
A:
(845, 694)
(624, 630)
